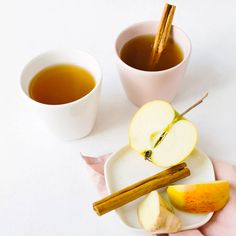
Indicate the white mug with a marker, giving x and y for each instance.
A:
(75, 119)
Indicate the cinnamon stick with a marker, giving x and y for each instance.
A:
(162, 33)
(134, 191)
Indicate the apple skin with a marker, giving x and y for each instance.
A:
(199, 198)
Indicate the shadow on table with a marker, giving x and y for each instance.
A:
(201, 77)
(113, 112)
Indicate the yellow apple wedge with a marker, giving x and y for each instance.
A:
(199, 198)
(154, 214)
(159, 134)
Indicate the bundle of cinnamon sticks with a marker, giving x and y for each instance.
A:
(134, 191)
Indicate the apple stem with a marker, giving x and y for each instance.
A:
(194, 105)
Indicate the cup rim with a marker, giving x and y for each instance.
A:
(60, 50)
(151, 72)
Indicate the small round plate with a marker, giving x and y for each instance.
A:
(126, 167)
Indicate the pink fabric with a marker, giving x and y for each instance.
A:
(96, 171)
(222, 222)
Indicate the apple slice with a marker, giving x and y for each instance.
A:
(159, 134)
(154, 214)
(199, 198)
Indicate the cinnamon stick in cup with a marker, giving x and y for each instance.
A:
(162, 33)
(142, 83)
(134, 191)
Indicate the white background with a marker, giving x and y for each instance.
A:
(44, 186)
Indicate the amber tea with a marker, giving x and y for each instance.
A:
(60, 84)
(137, 52)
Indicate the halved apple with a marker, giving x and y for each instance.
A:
(199, 198)
(159, 134)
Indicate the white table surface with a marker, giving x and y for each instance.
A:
(44, 186)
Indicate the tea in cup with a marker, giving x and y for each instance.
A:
(63, 86)
(142, 83)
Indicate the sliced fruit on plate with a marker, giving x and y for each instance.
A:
(154, 213)
(199, 198)
(162, 136)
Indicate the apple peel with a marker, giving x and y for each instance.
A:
(201, 197)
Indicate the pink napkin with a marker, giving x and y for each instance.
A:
(96, 171)
(222, 222)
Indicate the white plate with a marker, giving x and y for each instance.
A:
(126, 167)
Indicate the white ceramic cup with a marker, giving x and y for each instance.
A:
(143, 86)
(75, 119)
